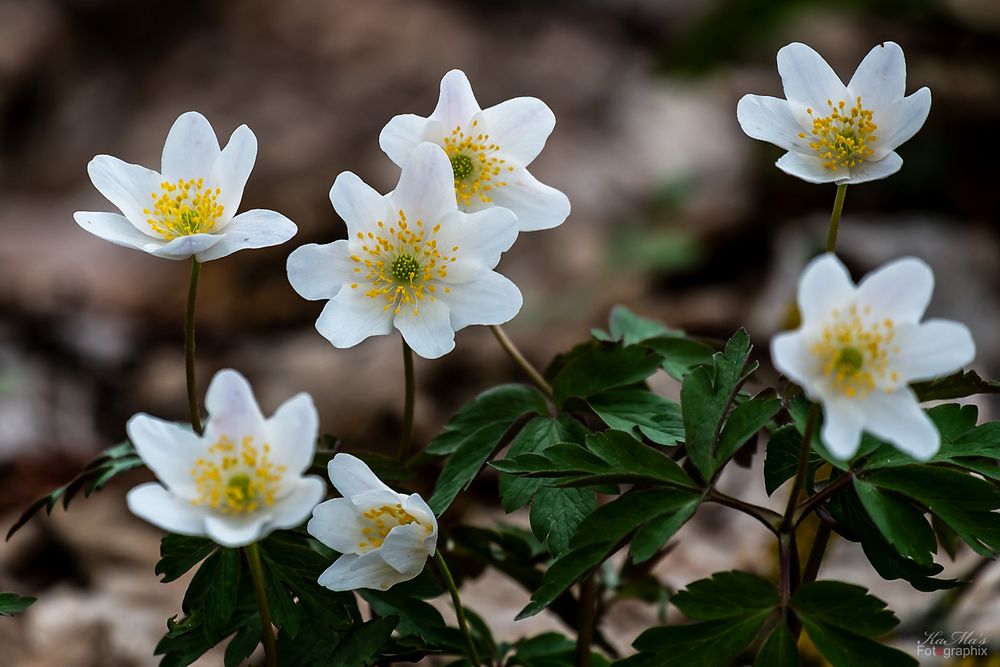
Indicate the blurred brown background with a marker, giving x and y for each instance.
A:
(675, 213)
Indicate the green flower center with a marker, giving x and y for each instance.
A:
(462, 165)
(404, 269)
(849, 360)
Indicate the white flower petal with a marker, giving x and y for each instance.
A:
(358, 204)
(427, 328)
(183, 247)
(520, 127)
(897, 418)
(481, 238)
(403, 548)
(790, 356)
(232, 169)
(168, 449)
(191, 148)
(490, 299)
(900, 122)
(112, 227)
(350, 317)
(337, 524)
(129, 187)
(456, 104)
(426, 189)
(237, 530)
(402, 134)
(292, 432)
(880, 79)
(256, 228)
(932, 349)
(537, 206)
(294, 507)
(350, 572)
(824, 285)
(809, 168)
(232, 408)
(900, 290)
(868, 170)
(319, 271)
(418, 508)
(770, 119)
(843, 421)
(159, 507)
(808, 79)
(352, 477)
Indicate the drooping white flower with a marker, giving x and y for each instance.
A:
(384, 537)
(489, 149)
(189, 207)
(239, 481)
(411, 260)
(832, 132)
(859, 347)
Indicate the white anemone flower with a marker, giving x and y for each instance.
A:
(832, 132)
(189, 207)
(490, 150)
(239, 481)
(859, 347)
(384, 537)
(411, 260)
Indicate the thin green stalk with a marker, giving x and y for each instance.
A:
(838, 206)
(803, 469)
(508, 345)
(406, 439)
(189, 346)
(586, 619)
(459, 611)
(266, 629)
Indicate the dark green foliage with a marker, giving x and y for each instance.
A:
(12, 603)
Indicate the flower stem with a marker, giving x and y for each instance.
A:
(585, 619)
(838, 206)
(519, 359)
(788, 523)
(459, 611)
(266, 630)
(189, 346)
(406, 438)
(816, 553)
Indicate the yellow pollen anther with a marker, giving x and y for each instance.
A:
(236, 480)
(855, 353)
(184, 208)
(475, 165)
(381, 520)
(842, 138)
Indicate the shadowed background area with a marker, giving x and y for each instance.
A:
(675, 213)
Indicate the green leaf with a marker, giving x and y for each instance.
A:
(960, 437)
(679, 356)
(556, 513)
(706, 395)
(782, 459)
(779, 650)
(900, 522)
(964, 502)
(625, 453)
(213, 591)
(653, 535)
(604, 366)
(630, 328)
(11, 603)
(744, 421)
(707, 644)
(630, 409)
(534, 438)
(416, 617)
(563, 572)
(243, 643)
(474, 433)
(727, 595)
(114, 461)
(958, 385)
(358, 647)
(179, 553)
(841, 618)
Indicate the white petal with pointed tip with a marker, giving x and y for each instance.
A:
(520, 127)
(807, 78)
(900, 122)
(128, 186)
(168, 449)
(880, 79)
(491, 299)
(319, 271)
(352, 477)
(457, 103)
(770, 119)
(537, 206)
(112, 227)
(231, 171)
(900, 290)
(402, 134)
(295, 427)
(932, 349)
(232, 408)
(163, 509)
(843, 421)
(427, 329)
(897, 417)
(350, 317)
(825, 285)
(426, 189)
(358, 204)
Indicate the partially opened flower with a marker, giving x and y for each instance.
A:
(832, 132)
(411, 260)
(385, 537)
(189, 207)
(859, 347)
(239, 481)
(489, 149)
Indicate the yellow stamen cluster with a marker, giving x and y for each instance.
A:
(842, 138)
(856, 352)
(474, 162)
(236, 480)
(381, 520)
(401, 263)
(184, 208)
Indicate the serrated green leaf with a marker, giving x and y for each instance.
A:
(745, 420)
(603, 367)
(705, 644)
(846, 649)
(654, 534)
(556, 513)
(179, 553)
(625, 453)
(957, 385)
(416, 617)
(563, 572)
(633, 409)
(782, 459)
(212, 593)
(361, 644)
(12, 603)
(474, 433)
(611, 522)
(537, 435)
(243, 643)
(845, 606)
(679, 356)
(779, 650)
(900, 522)
(726, 595)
